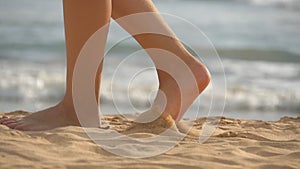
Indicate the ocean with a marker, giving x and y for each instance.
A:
(258, 42)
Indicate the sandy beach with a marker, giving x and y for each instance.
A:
(235, 144)
(250, 48)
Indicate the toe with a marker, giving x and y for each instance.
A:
(8, 121)
(3, 120)
(3, 117)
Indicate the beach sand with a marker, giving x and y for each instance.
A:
(235, 144)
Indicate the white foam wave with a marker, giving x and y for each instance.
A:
(252, 86)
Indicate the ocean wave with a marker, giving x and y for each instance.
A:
(252, 85)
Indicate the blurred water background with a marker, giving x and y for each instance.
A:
(257, 40)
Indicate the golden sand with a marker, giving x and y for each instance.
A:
(235, 144)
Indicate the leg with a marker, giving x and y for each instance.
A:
(82, 19)
(171, 44)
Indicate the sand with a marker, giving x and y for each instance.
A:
(235, 144)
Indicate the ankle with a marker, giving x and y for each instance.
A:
(201, 73)
(204, 77)
(67, 111)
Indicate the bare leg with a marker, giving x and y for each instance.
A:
(167, 83)
(82, 19)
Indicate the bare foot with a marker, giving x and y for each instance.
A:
(163, 115)
(57, 116)
(179, 99)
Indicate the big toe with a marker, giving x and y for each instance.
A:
(13, 125)
(21, 127)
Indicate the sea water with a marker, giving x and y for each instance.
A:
(258, 43)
